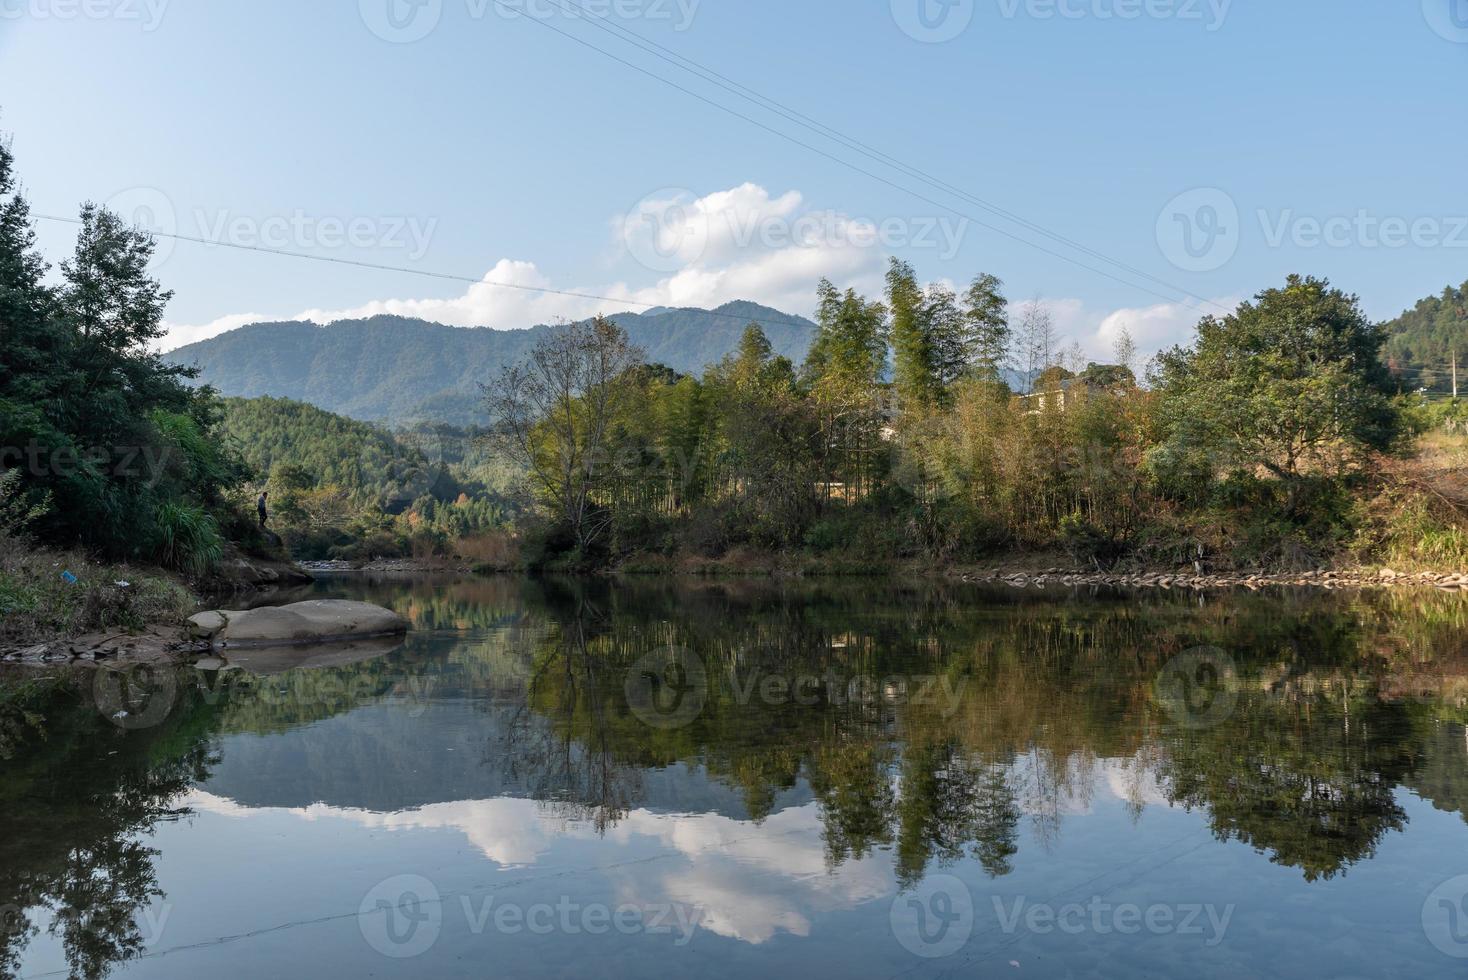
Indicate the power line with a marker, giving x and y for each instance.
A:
(750, 95)
(861, 170)
(790, 114)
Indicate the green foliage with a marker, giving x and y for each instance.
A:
(913, 346)
(1291, 383)
(1422, 342)
(1292, 527)
(986, 328)
(1251, 448)
(37, 604)
(92, 420)
(17, 513)
(1089, 544)
(188, 538)
(340, 488)
(937, 340)
(322, 448)
(1415, 529)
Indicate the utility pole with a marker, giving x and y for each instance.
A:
(1455, 374)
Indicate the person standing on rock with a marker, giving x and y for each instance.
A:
(260, 506)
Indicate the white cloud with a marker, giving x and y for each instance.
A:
(180, 334)
(1157, 327)
(738, 244)
(1153, 328)
(748, 884)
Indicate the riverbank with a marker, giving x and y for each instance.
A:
(62, 605)
(55, 596)
(121, 613)
(409, 565)
(1016, 571)
(1319, 578)
(1040, 570)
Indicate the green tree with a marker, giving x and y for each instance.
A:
(765, 437)
(1290, 383)
(554, 414)
(123, 445)
(913, 372)
(946, 324)
(29, 345)
(987, 334)
(843, 372)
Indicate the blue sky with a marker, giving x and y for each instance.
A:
(1210, 146)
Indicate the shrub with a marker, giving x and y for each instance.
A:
(188, 538)
(497, 550)
(1411, 528)
(428, 543)
(17, 510)
(1089, 544)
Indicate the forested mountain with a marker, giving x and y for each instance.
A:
(273, 432)
(1422, 341)
(401, 370)
(339, 486)
(293, 443)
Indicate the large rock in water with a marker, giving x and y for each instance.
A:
(316, 621)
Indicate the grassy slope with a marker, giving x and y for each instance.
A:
(37, 604)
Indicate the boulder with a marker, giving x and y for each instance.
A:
(206, 625)
(238, 572)
(315, 621)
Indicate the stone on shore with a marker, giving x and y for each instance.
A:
(206, 624)
(315, 621)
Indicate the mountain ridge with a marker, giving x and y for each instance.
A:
(400, 370)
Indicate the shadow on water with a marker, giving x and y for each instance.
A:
(929, 723)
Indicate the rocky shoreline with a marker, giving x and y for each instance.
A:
(160, 642)
(303, 624)
(407, 565)
(1318, 579)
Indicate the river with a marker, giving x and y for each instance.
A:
(746, 778)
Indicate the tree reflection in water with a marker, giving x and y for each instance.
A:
(73, 811)
(1055, 695)
(1337, 702)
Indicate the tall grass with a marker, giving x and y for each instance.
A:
(38, 605)
(1418, 531)
(188, 538)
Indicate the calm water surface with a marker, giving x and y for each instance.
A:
(747, 779)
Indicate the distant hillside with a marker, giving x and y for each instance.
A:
(392, 468)
(330, 449)
(1421, 341)
(400, 370)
